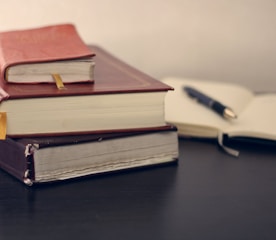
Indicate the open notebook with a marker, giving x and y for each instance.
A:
(256, 112)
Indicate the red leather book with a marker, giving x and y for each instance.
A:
(121, 97)
(26, 54)
(40, 160)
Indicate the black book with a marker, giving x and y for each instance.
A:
(48, 159)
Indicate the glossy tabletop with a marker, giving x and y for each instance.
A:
(207, 195)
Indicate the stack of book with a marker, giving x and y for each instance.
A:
(68, 110)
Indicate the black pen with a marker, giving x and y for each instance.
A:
(215, 105)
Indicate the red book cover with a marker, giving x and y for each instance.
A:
(121, 97)
(111, 76)
(44, 44)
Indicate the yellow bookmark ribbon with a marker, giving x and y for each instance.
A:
(58, 81)
(3, 125)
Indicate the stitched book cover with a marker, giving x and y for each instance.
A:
(121, 97)
(32, 55)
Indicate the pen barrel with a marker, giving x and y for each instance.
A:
(218, 107)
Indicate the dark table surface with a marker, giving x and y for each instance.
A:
(208, 195)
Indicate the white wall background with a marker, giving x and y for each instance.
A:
(227, 40)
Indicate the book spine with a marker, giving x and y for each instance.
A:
(29, 174)
(3, 94)
(14, 162)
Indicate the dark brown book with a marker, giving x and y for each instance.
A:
(48, 159)
(33, 55)
(122, 97)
